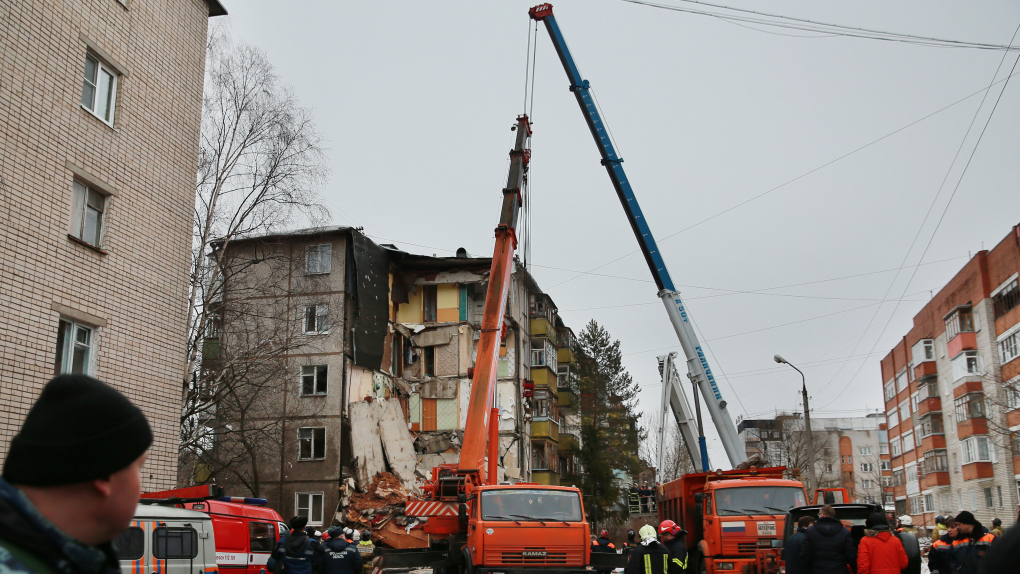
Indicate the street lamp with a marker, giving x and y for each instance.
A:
(807, 420)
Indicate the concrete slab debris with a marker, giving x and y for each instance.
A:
(397, 443)
(365, 442)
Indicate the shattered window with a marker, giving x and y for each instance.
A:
(316, 319)
(311, 443)
(313, 379)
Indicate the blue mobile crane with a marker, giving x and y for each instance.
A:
(697, 364)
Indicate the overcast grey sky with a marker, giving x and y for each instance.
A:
(416, 100)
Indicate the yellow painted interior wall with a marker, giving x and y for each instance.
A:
(447, 303)
(410, 312)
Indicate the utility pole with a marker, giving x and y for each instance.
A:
(807, 425)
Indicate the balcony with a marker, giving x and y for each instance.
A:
(933, 441)
(568, 398)
(544, 377)
(545, 428)
(565, 355)
(568, 442)
(932, 405)
(546, 477)
(541, 327)
(933, 479)
(976, 470)
(965, 341)
(925, 370)
(971, 427)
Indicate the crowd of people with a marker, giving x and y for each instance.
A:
(641, 499)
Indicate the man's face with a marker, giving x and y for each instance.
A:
(666, 536)
(965, 529)
(121, 493)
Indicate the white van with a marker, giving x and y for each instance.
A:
(167, 540)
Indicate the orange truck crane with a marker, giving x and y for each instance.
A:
(476, 525)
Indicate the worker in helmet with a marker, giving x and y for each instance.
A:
(604, 545)
(673, 539)
(648, 557)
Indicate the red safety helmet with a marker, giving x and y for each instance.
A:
(604, 534)
(669, 527)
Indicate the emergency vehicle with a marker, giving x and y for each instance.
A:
(245, 530)
(167, 540)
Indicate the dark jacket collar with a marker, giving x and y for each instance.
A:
(24, 526)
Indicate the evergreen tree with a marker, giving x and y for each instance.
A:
(610, 433)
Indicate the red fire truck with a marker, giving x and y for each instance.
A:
(245, 530)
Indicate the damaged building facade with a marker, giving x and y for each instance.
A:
(380, 378)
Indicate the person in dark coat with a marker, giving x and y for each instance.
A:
(341, 557)
(1004, 555)
(71, 479)
(795, 564)
(673, 539)
(602, 544)
(941, 550)
(828, 546)
(648, 557)
(296, 553)
(970, 546)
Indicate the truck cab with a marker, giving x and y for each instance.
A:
(734, 519)
(541, 528)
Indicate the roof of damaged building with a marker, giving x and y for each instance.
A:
(321, 231)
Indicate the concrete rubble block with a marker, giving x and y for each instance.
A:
(427, 462)
(365, 441)
(434, 337)
(396, 442)
(439, 389)
(432, 442)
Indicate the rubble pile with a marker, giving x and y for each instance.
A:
(381, 509)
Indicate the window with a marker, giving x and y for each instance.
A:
(316, 319)
(916, 505)
(130, 543)
(914, 400)
(309, 505)
(543, 353)
(895, 442)
(989, 501)
(1012, 395)
(828, 467)
(99, 90)
(75, 345)
(883, 448)
(976, 449)
(430, 302)
(87, 214)
(318, 258)
(898, 477)
(311, 443)
(929, 503)
(901, 380)
(1008, 347)
(170, 543)
(966, 363)
(428, 362)
(959, 321)
(929, 391)
(867, 483)
(890, 390)
(908, 441)
(543, 456)
(885, 465)
(999, 490)
(867, 467)
(892, 418)
(935, 461)
(905, 412)
(313, 379)
(1006, 298)
(1014, 438)
(545, 407)
(923, 350)
(262, 536)
(970, 406)
(864, 450)
(930, 424)
(911, 473)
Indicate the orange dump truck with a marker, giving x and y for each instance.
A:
(734, 519)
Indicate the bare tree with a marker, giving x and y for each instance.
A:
(676, 460)
(260, 168)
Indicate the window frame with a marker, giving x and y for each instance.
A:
(311, 505)
(68, 343)
(323, 253)
(1008, 345)
(970, 448)
(80, 207)
(174, 529)
(959, 320)
(319, 387)
(970, 406)
(890, 390)
(101, 66)
(1006, 297)
(320, 318)
(311, 443)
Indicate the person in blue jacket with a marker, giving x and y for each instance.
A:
(341, 557)
(295, 553)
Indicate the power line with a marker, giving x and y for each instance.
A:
(764, 193)
(829, 30)
(951, 196)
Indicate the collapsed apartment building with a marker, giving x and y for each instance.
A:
(376, 387)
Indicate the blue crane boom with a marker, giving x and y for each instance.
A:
(697, 364)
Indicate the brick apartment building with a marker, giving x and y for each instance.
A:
(951, 397)
(374, 334)
(100, 112)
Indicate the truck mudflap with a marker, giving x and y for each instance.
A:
(602, 560)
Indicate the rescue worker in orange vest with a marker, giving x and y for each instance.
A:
(971, 544)
(942, 549)
(604, 545)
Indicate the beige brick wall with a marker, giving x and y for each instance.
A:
(138, 287)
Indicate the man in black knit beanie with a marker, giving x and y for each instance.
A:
(71, 479)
